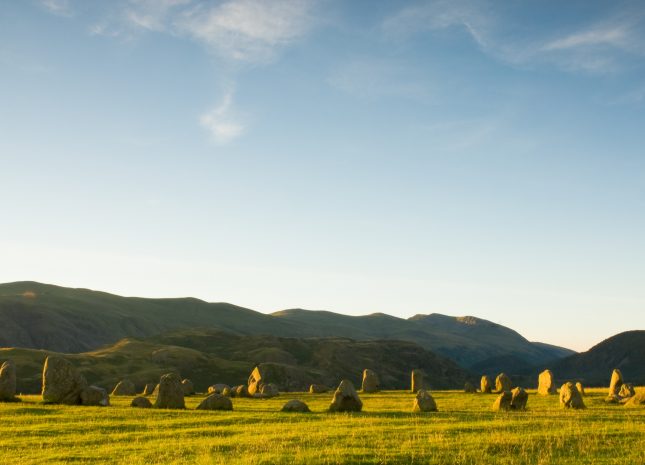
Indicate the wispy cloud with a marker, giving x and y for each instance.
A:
(248, 30)
(220, 121)
(592, 46)
(58, 7)
(436, 15)
(614, 36)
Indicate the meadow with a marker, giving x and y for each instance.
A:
(464, 431)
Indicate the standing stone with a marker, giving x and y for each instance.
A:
(171, 392)
(216, 402)
(570, 396)
(62, 383)
(503, 402)
(124, 388)
(318, 389)
(268, 390)
(370, 381)
(188, 387)
(241, 391)
(227, 392)
(580, 388)
(615, 383)
(255, 379)
(502, 383)
(469, 388)
(155, 391)
(486, 386)
(424, 402)
(95, 396)
(141, 402)
(346, 398)
(626, 391)
(149, 389)
(218, 388)
(519, 398)
(295, 406)
(546, 385)
(8, 382)
(418, 380)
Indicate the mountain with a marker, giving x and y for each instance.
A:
(625, 351)
(468, 340)
(42, 316)
(211, 356)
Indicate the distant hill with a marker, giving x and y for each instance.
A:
(42, 316)
(211, 356)
(467, 340)
(625, 351)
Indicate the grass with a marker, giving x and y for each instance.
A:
(464, 431)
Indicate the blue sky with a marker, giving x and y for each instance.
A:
(461, 157)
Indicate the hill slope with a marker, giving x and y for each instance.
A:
(42, 316)
(625, 351)
(209, 356)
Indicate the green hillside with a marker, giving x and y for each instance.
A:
(41, 316)
(210, 356)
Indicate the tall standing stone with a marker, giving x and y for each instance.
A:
(346, 398)
(469, 388)
(546, 385)
(570, 396)
(418, 380)
(370, 381)
(171, 392)
(502, 383)
(486, 386)
(62, 383)
(615, 383)
(8, 382)
(580, 388)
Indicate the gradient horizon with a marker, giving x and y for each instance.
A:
(463, 157)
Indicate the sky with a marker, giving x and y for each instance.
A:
(458, 157)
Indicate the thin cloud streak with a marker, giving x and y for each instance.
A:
(593, 48)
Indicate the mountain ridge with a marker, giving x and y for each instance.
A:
(44, 316)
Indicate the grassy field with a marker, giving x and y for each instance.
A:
(464, 431)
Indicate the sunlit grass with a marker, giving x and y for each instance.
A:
(464, 431)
